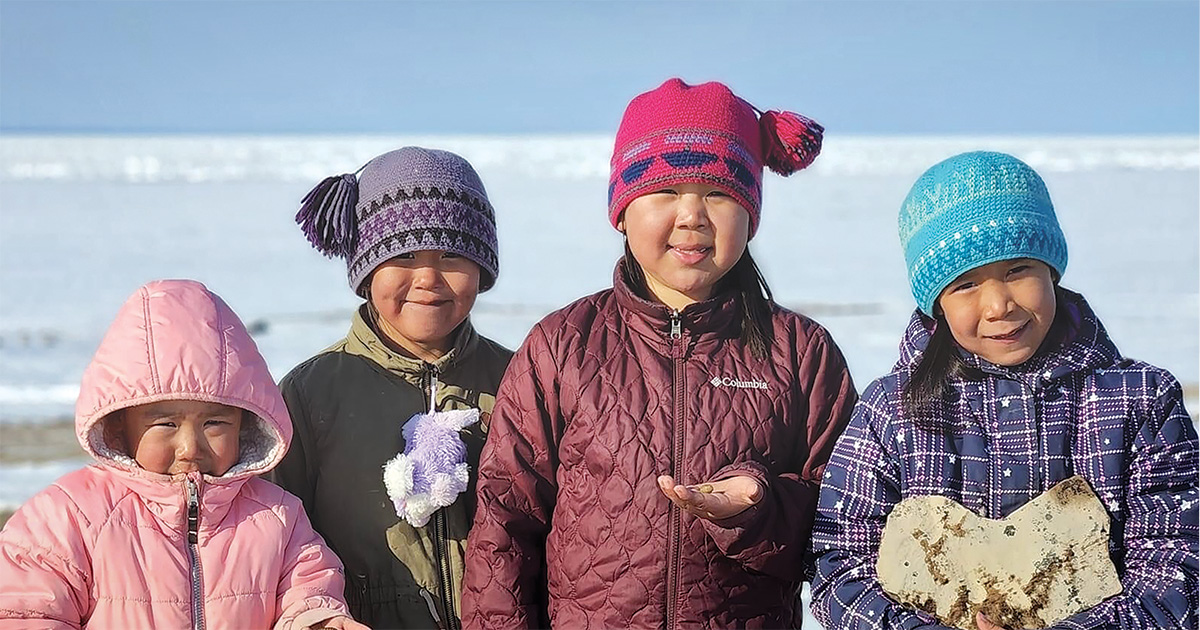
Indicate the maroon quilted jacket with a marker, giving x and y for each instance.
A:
(602, 397)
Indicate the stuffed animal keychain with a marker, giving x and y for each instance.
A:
(432, 471)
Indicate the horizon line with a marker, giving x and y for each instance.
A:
(44, 133)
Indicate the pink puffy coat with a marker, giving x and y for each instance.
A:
(111, 546)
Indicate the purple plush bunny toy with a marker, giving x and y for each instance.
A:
(432, 470)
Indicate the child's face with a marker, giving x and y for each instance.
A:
(181, 436)
(686, 237)
(422, 297)
(1001, 311)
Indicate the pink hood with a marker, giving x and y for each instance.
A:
(175, 339)
(111, 545)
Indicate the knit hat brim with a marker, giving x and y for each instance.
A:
(927, 292)
(665, 180)
(460, 243)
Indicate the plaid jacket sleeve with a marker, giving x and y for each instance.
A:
(1160, 533)
(860, 486)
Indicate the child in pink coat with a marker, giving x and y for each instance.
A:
(171, 526)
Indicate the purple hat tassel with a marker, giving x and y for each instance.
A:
(327, 216)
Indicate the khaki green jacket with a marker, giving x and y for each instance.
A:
(348, 404)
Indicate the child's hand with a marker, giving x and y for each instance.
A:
(340, 623)
(715, 500)
(986, 624)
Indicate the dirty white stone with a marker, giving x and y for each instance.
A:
(1046, 561)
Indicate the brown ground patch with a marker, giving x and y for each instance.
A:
(37, 442)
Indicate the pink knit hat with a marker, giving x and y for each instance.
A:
(680, 133)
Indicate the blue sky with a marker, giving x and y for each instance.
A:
(504, 67)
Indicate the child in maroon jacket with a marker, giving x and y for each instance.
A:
(656, 448)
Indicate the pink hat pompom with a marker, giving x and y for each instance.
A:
(790, 141)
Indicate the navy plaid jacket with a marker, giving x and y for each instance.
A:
(1003, 436)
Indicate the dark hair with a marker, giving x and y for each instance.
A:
(940, 362)
(754, 298)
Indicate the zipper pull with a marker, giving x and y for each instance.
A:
(193, 512)
(431, 374)
(432, 608)
(676, 325)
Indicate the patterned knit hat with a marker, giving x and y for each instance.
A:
(971, 210)
(406, 200)
(680, 133)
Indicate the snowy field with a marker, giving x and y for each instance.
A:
(85, 220)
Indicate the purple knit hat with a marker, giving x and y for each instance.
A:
(406, 200)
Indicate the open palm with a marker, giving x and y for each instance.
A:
(713, 500)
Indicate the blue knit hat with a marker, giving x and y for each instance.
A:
(971, 210)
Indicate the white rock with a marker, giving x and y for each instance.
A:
(1046, 561)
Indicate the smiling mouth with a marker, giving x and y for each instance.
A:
(1011, 335)
(690, 254)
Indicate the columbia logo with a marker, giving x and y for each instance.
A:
(725, 381)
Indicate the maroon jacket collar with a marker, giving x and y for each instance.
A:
(701, 323)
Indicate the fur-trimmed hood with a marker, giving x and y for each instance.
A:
(176, 340)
